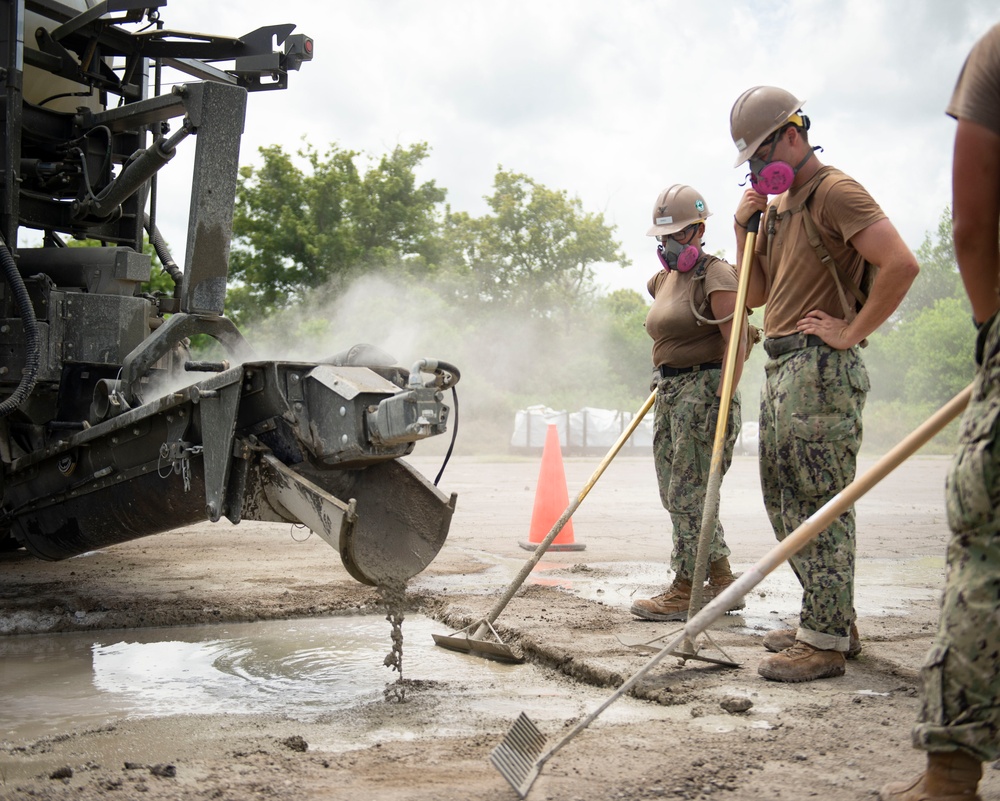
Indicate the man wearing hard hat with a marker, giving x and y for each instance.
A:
(821, 239)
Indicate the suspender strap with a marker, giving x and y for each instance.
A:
(840, 278)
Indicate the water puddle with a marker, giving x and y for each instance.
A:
(299, 669)
(327, 670)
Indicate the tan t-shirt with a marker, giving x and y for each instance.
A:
(977, 93)
(796, 281)
(679, 340)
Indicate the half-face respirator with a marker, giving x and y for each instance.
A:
(774, 177)
(675, 256)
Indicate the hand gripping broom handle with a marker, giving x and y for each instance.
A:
(793, 543)
(710, 514)
(557, 527)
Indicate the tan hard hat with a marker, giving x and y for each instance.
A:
(676, 208)
(757, 113)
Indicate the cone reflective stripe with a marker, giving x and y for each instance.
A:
(551, 498)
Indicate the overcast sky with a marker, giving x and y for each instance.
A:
(611, 101)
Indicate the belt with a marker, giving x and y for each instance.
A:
(775, 346)
(670, 372)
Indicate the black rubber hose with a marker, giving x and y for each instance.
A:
(450, 368)
(163, 254)
(447, 375)
(454, 435)
(30, 325)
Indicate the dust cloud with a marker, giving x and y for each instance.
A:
(508, 360)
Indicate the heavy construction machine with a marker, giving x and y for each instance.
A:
(110, 429)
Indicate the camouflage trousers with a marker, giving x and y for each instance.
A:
(961, 674)
(683, 436)
(810, 431)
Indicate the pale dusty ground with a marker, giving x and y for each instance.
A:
(838, 739)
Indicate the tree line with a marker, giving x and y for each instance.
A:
(334, 248)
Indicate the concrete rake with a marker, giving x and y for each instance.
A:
(521, 754)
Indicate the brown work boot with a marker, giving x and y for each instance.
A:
(802, 662)
(672, 604)
(950, 776)
(780, 639)
(720, 576)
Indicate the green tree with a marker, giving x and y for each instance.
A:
(297, 228)
(536, 249)
(628, 346)
(936, 347)
(923, 355)
(397, 219)
(939, 276)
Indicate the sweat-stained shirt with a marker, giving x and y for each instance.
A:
(679, 339)
(796, 281)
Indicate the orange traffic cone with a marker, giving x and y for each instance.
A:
(551, 500)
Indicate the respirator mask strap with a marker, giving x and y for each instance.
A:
(663, 257)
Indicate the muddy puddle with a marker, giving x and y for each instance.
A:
(298, 668)
(310, 670)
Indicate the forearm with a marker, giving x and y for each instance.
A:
(888, 291)
(881, 244)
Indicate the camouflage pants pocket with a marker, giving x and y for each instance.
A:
(703, 423)
(959, 704)
(934, 689)
(973, 482)
(822, 453)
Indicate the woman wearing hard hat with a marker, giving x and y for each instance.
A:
(690, 322)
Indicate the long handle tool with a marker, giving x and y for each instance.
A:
(520, 755)
(476, 643)
(710, 515)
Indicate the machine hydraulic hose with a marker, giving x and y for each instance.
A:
(30, 323)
